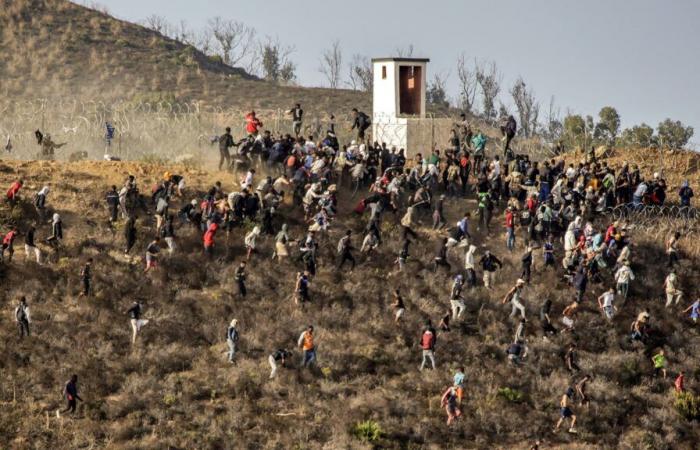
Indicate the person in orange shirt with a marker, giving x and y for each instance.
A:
(306, 343)
(8, 244)
(209, 239)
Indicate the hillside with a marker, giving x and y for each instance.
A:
(174, 388)
(58, 49)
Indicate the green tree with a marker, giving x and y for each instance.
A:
(575, 130)
(608, 126)
(437, 91)
(275, 62)
(673, 134)
(639, 136)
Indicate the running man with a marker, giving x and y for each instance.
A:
(565, 411)
(449, 401)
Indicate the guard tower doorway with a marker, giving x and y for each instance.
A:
(410, 84)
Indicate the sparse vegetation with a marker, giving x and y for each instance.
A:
(688, 405)
(367, 431)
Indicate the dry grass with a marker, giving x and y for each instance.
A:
(174, 388)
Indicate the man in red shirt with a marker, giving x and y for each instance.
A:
(252, 124)
(209, 239)
(14, 190)
(510, 229)
(679, 382)
(8, 244)
(427, 344)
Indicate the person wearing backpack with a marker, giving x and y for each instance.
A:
(427, 344)
(22, 317)
(232, 339)
(345, 250)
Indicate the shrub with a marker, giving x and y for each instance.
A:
(367, 431)
(511, 395)
(687, 405)
(169, 399)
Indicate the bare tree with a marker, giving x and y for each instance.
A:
(331, 64)
(554, 126)
(528, 108)
(437, 90)
(467, 85)
(181, 32)
(204, 41)
(360, 73)
(235, 41)
(404, 52)
(158, 24)
(489, 79)
(274, 61)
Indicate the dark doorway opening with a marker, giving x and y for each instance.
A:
(410, 89)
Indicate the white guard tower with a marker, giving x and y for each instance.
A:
(398, 100)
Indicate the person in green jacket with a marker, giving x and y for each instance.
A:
(659, 361)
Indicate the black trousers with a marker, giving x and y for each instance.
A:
(23, 326)
(241, 288)
(346, 256)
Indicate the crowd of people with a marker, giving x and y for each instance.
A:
(547, 209)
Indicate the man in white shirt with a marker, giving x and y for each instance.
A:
(623, 276)
(672, 291)
(605, 302)
(248, 180)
